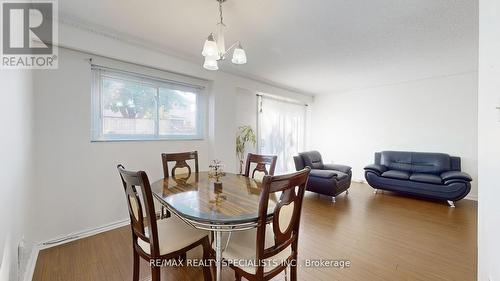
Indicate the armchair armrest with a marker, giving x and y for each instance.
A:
(379, 169)
(337, 167)
(455, 175)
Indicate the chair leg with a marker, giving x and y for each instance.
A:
(333, 199)
(347, 192)
(207, 272)
(213, 268)
(237, 277)
(451, 203)
(375, 191)
(182, 257)
(293, 272)
(135, 276)
(155, 273)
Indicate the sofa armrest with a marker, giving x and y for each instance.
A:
(455, 175)
(337, 167)
(379, 169)
(299, 162)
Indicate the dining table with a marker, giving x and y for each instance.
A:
(222, 204)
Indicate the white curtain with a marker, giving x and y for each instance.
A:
(281, 126)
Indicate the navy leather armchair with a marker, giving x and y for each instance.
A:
(428, 175)
(326, 179)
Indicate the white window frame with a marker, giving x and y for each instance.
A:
(98, 72)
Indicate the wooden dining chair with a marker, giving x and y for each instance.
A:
(261, 161)
(273, 245)
(157, 240)
(180, 162)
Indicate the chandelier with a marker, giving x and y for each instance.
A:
(214, 49)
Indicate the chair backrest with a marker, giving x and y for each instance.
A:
(137, 205)
(286, 215)
(261, 161)
(180, 161)
(312, 159)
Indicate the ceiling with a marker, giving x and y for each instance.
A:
(314, 46)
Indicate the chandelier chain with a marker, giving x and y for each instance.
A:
(214, 49)
(220, 12)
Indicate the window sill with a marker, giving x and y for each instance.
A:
(146, 140)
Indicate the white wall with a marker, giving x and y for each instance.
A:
(15, 167)
(246, 115)
(489, 141)
(246, 108)
(78, 187)
(436, 115)
(77, 182)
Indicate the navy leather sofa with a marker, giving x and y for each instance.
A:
(326, 179)
(428, 175)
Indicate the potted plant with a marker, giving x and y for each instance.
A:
(245, 135)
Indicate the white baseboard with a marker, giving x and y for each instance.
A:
(30, 267)
(471, 197)
(82, 234)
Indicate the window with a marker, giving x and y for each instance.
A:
(128, 106)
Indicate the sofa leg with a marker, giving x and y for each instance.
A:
(333, 199)
(347, 192)
(451, 203)
(375, 191)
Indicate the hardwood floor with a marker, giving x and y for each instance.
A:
(384, 236)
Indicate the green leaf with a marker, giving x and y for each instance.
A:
(245, 135)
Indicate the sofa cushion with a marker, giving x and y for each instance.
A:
(395, 174)
(312, 159)
(434, 163)
(396, 160)
(325, 174)
(416, 162)
(427, 178)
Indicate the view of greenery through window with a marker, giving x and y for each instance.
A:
(142, 109)
(177, 112)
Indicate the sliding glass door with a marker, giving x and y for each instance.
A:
(281, 130)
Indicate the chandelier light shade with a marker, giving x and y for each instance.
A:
(210, 64)
(239, 55)
(210, 48)
(214, 49)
